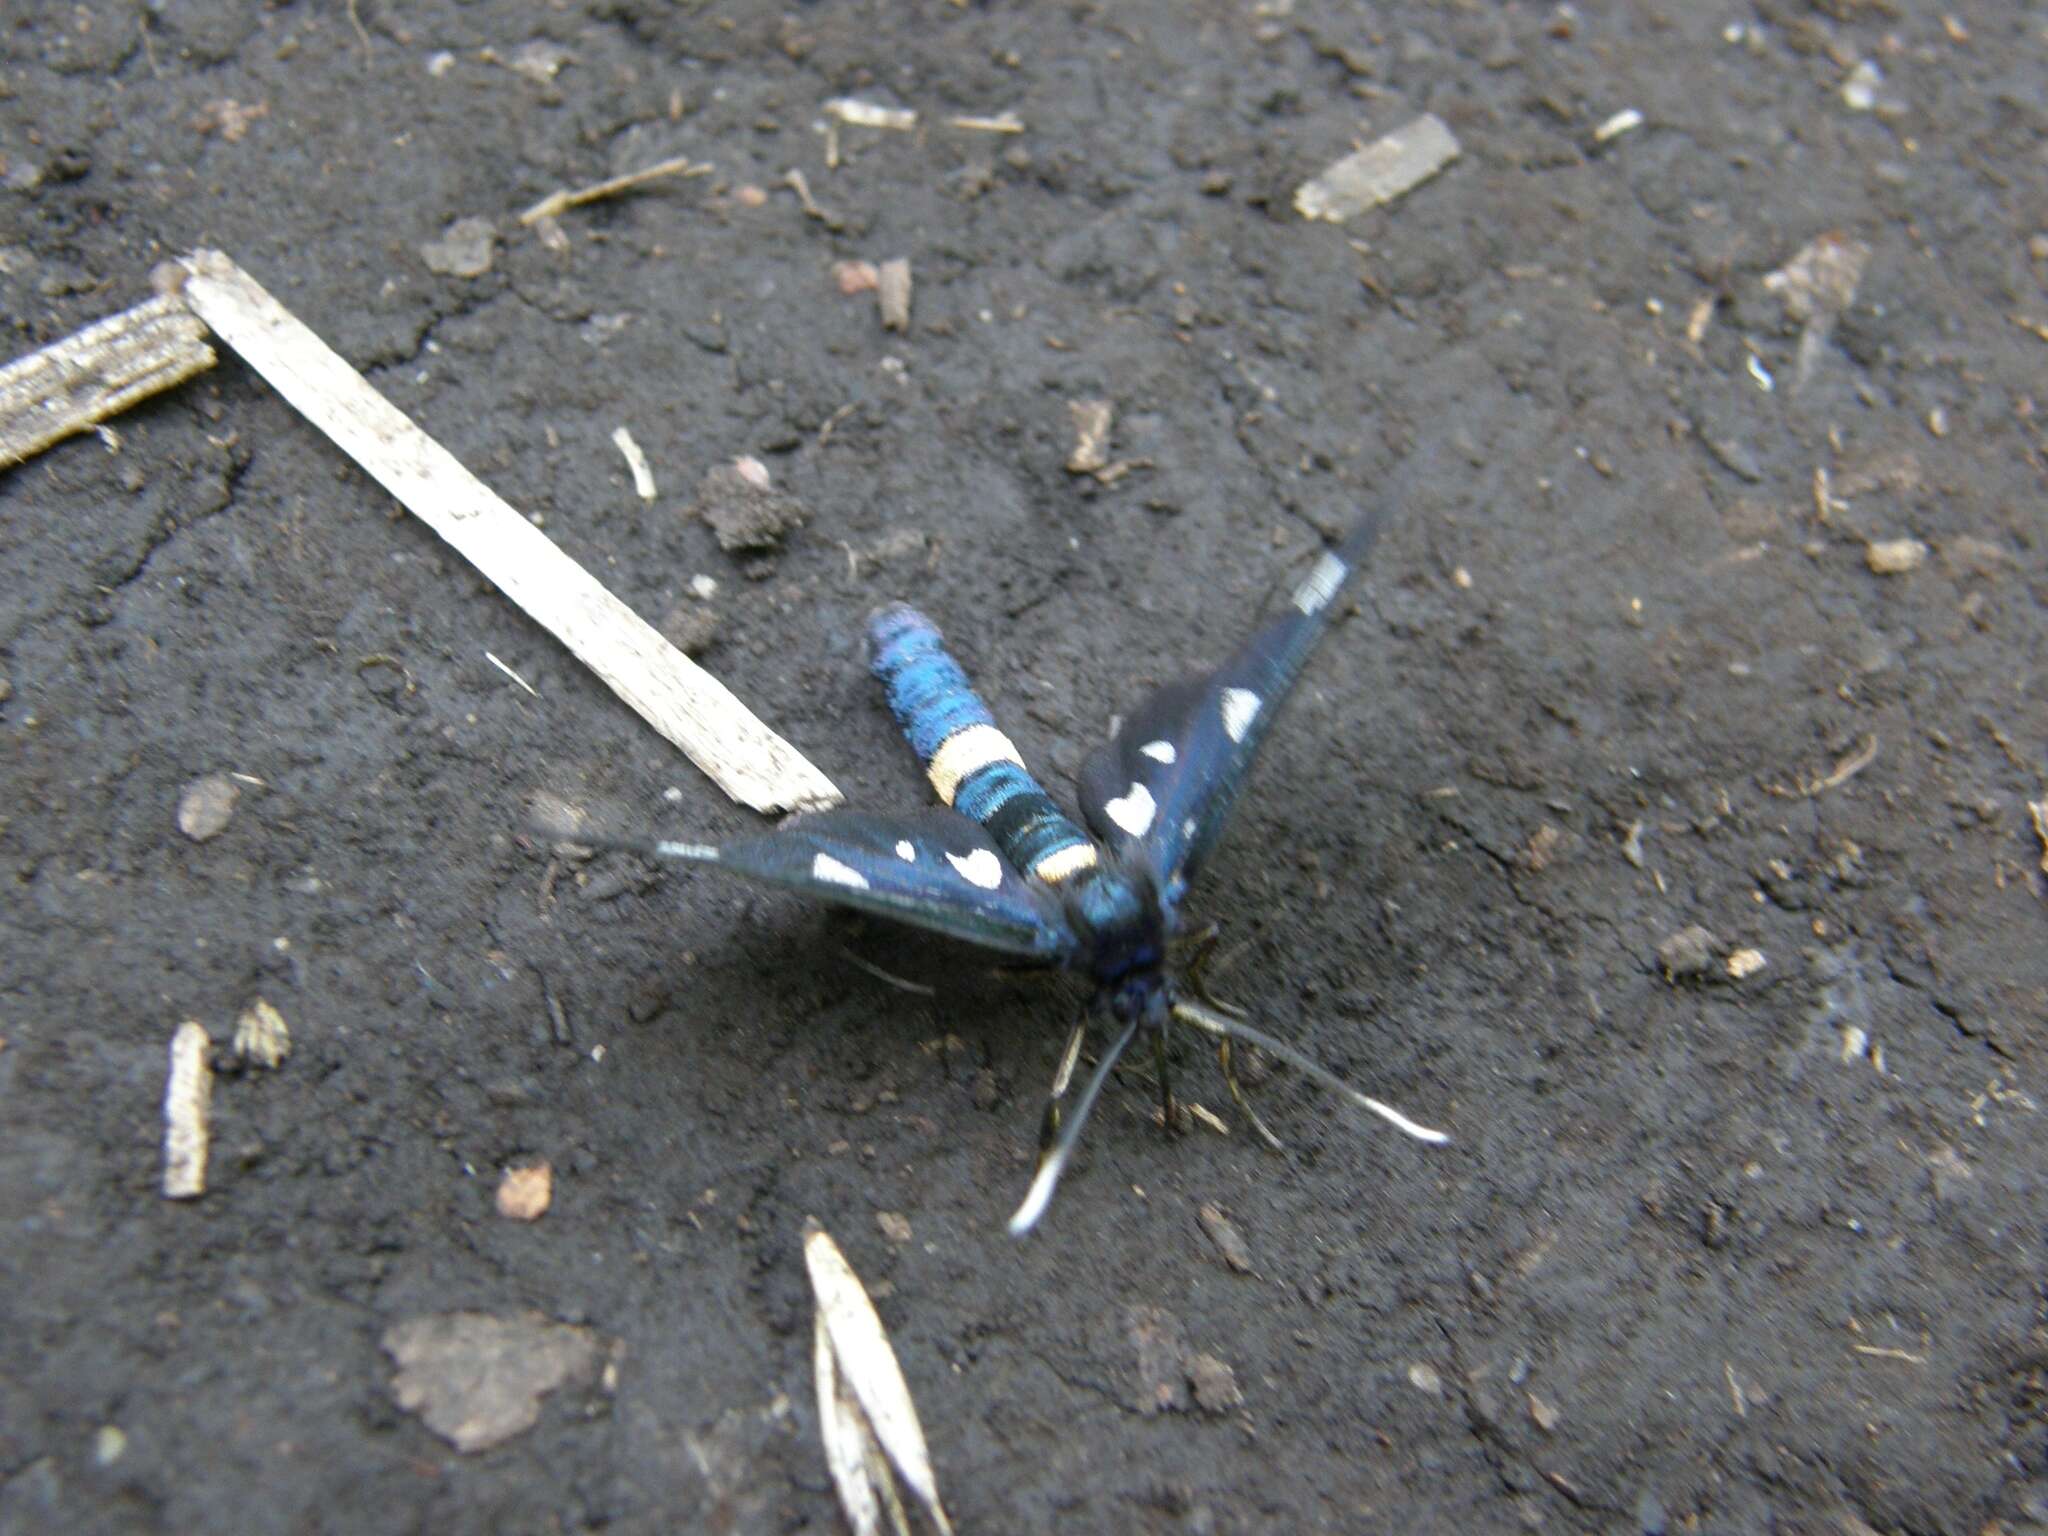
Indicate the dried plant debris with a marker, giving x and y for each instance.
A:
(1385, 169)
(1002, 122)
(1625, 121)
(740, 503)
(864, 1408)
(525, 1192)
(1816, 286)
(261, 1035)
(187, 1096)
(1092, 421)
(477, 1380)
(557, 203)
(866, 114)
(96, 373)
(892, 293)
(207, 806)
(636, 463)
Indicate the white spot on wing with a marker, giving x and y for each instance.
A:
(905, 852)
(980, 867)
(1134, 811)
(829, 871)
(1240, 708)
(1158, 751)
(1320, 585)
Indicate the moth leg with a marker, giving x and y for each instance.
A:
(1237, 1096)
(1169, 1115)
(1208, 941)
(1062, 1080)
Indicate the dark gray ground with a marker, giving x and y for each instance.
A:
(1706, 1254)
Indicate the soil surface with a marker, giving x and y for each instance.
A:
(1740, 1230)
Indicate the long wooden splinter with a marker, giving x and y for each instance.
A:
(672, 693)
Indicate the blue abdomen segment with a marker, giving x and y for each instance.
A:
(928, 693)
(973, 766)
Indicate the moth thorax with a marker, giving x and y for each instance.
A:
(1119, 921)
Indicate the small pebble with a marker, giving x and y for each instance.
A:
(1229, 1245)
(109, 1445)
(1215, 1384)
(1425, 1379)
(207, 806)
(1895, 557)
(524, 1194)
(1687, 952)
(894, 1224)
(466, 249)
(856, 277)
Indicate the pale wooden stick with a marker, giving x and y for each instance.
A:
(98, 372)
(672, 693)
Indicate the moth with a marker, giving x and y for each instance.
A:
(1002, 867)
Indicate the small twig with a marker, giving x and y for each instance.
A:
(1882, 1353)
(795, 181)
(1847, 769)
(355, 19)
(561, 202)
(636, 464)
(832, 422)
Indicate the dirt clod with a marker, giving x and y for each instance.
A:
(745, 510)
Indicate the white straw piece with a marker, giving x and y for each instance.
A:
(868, 1367)
(677, 697)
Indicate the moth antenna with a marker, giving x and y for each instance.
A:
(1235, 1029)
(1054, 1163)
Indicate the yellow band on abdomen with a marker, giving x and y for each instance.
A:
(967, 752)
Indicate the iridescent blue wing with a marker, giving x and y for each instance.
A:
(932, 869)
(1161, 791)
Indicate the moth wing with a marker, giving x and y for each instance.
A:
(934, 870)
(1162, 788)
